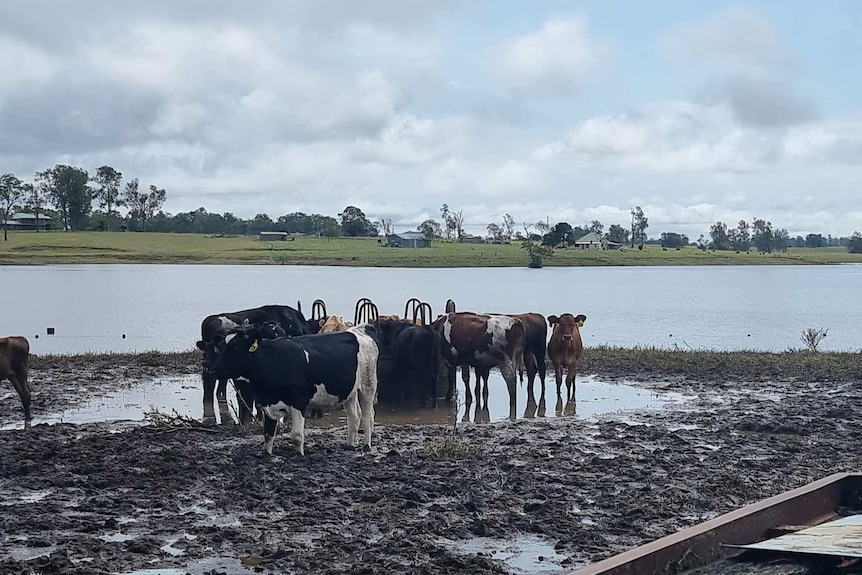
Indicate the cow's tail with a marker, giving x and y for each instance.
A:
(518, 358)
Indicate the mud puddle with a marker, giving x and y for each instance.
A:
(183, 394)
(523, 554)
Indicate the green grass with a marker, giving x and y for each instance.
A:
(118, 247)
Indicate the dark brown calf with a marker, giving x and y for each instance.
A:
(535, 348)
(14, 364)
(565, 349)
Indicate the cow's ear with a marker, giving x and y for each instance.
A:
(580, 319)
(202, 346)
(553, 320)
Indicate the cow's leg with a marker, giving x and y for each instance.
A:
(465, 377)
(507, 368)
(209, 380)
(532, 369)
(297, 429)
(221, 390)
(268, 432)
(477, 390)
(19, 382)
(558, 377)
(542, 370)
(367, 398)
(571, 373)
(351, 407)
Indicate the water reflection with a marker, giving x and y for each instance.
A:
(183, 395)
(532, 408)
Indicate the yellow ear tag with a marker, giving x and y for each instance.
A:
(580, 323)
(253, 347)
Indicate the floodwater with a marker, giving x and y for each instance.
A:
(527, 554)
(123, 308)
(182, 395)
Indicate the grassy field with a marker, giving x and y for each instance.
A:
(25, 248)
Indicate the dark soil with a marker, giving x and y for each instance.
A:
(206, 500)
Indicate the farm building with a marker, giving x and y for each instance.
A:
(407, 240)
(24, 221)
(471, 239)
(591, 241)
(272, 236)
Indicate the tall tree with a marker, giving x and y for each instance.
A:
(68, 192)
(10, 192)
(35, 196)
(142, 207)
(740, 237)
(430, 229)
(495, 232)
(458, 224)
(782, 239)
(761, 235)
(107, 192)
(543, 227)
(814, 241)
(508, 227)
(617, 234)
(446, 218)
(673, 240)
(355, 224)
(854, 244)
(720, 238)
(597, 227)
(385, 226)
(639, 225)
(561, 234)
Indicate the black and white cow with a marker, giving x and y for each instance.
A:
(282, 320)
(288, 375)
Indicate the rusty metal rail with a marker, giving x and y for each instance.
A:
(704, 544)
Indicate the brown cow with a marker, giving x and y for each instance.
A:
(333, 324)
(482, 341)
(14, 364)
(565, 349)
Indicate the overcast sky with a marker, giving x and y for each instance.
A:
(571, 111)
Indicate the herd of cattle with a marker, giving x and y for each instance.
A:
(284, 364)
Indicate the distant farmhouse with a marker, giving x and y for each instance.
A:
(592, 241)
(272, 236)
(24, 221)
(407, 240)
(471, 239)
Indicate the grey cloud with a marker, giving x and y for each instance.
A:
(764, 103)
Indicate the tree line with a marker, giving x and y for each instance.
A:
(84, 202)
(73, 193)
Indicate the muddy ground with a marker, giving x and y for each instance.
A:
(110, 498)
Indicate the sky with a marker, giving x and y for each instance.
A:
(548, 110)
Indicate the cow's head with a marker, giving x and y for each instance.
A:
(567, 325)
(233, 350)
